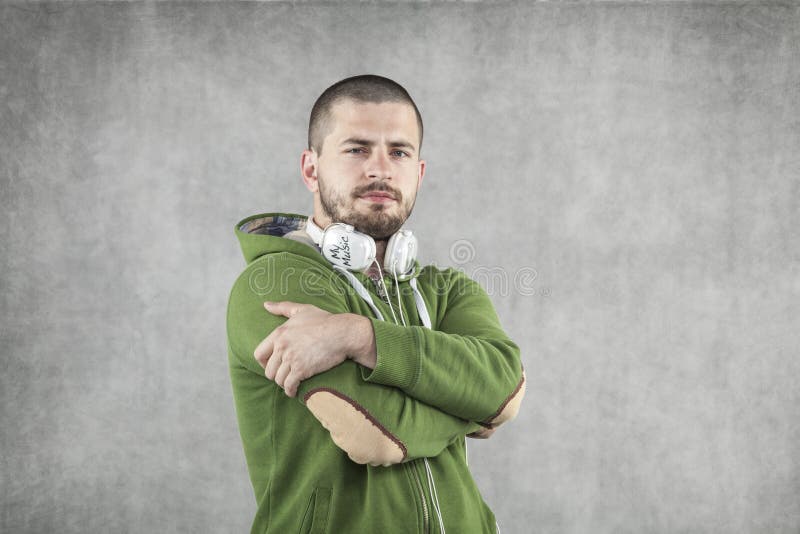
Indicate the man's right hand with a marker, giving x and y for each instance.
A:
(311, 342)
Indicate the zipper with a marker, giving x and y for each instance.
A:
(410, 466)
(434, 496)
(382, 293)
(379, 288)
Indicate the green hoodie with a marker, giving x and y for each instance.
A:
(360, 450)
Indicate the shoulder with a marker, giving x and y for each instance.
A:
(446, 280)
(433, 272)
(286, 264)
(286, 276)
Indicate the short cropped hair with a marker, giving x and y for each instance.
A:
(363, 88)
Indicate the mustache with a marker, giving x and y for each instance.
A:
(378, 187)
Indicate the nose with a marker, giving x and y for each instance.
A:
(379, 166)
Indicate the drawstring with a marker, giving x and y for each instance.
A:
(397, 284)
(364, 294)
(421, 308)
(360, 289)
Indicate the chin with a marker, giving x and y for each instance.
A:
(383, 208)
(379, 224)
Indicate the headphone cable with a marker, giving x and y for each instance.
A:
(388, 299)
(397, 283)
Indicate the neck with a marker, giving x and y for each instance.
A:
(380, 251)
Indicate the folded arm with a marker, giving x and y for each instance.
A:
(373, 423)
(466, 366)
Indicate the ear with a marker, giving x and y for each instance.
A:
(421, 174)
(308, 169)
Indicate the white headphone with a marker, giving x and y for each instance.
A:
(343, 245)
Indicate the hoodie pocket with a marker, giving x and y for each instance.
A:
(315, 520)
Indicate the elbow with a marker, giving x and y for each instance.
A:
(510, 407)
(354, 430)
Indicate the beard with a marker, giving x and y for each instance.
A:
(377, 222)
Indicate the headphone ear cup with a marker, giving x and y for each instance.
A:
(401, 251)
(343, 246)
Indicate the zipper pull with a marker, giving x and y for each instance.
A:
(379, 287)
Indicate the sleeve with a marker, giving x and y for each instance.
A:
(466, 366)
(374, 424)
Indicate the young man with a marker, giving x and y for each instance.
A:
(352, 423)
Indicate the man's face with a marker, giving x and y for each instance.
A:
(369, 171)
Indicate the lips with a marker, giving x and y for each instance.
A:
(380, 194)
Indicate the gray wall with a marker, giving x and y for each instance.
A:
(634, 166)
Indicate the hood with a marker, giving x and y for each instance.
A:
(265, 234)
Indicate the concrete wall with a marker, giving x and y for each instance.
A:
(630, 171)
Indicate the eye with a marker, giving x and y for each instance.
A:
(400, 153)
(355, 150)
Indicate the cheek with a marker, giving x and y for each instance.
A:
(347, 174)
(350, 163)
(410, 180)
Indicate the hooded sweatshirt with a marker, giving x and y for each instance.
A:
(363, 450)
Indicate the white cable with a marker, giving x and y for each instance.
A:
(360, 289)
(432, 489)
(397, 283)
(389, 300)
(364, 294)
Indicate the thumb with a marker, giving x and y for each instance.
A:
(285, 308)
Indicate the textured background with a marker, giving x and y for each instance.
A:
(641, 160)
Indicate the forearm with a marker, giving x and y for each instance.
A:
(474, 378)
(376, 424)
(469, 377)
(363, 350)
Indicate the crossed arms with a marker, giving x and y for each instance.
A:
(386, 393)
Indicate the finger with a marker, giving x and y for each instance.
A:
(264, 349)
(282, 373)
(482, 433)
(273, 365)
(285, 308)
(291, 384)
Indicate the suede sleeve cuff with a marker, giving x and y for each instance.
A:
(398, 356)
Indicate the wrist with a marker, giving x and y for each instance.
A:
(362, 348)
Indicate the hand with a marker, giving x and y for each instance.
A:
(310, 342)
(482, 433)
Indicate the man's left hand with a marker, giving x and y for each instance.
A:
(310, 342)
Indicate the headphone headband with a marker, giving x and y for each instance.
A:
(314, 231)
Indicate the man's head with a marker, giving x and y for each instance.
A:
(362, 162)
(364, 88)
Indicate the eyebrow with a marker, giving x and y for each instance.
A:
(365, 142)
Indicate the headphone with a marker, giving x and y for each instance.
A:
(343, 245)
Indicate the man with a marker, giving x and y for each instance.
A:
(352, 423)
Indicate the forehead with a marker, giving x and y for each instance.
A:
(368, 120)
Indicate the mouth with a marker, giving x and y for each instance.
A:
(378, 196)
